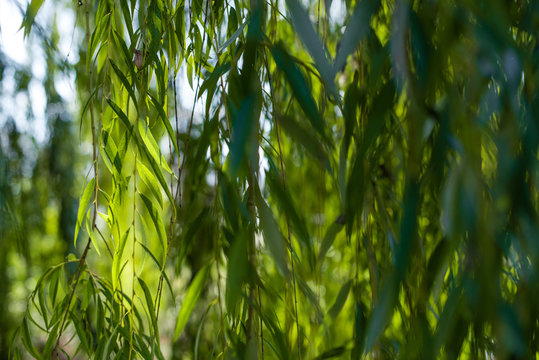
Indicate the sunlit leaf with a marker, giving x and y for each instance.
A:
(190, 300)
(156, 219)
(31, 12)
(83, 205)
(340, 300)
(150, 181)
(149, 304)
(233, 37)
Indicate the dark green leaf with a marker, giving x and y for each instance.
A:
(300, 19)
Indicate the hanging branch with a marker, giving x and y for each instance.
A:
(82, 260)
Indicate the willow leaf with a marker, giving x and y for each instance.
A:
(27, 340)
(149, 179)
(272, 234)
(31, 12)
(117, 258)
(155, 167)
(89, 229)
(166, 121)
(156, 219)
(83, 206)
(152, 146)
(125, 82)
(329, 238)
(358, 26)
(305, 30)
(149, 303)
(233, 37)
(191, 299)
(299, 86)
(340, 300)
(160, 267)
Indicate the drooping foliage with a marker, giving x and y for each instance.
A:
(352, 179)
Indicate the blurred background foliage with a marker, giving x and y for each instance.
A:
(273, 179)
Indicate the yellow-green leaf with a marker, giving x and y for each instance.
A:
(191, 298)
(83, 206)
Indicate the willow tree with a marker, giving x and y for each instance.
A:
(353, 179)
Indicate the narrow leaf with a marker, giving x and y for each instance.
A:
(272, 234)
(83, 206)
(31, 12)
(329, 238)
(125, 82)
(27, 340)
(340, 300)
(166, 121)
(300, 19)
(149, 179)
(299, 87)
(358, 26)
(116, 260)
(191, 298)
(149, 303)
(233, 37)
(156, 218)
(153, 164)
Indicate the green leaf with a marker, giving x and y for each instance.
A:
(158, 223)
(149, 303)
(154, 20)
(211, 81)
(165, 121)
(299, 87)
(125, 82)
(199, 331)
(233, 37)
(307, 138)
(179, 24)
(29, 16)
(285, 200)
(300, 19)
(329, 237)
(340, 300)
(237, 270)
(242, 135)
(27, 339)
(152, 147)
(155, 167)
(81, 333)
(117, 258)
(357, 27)
(149, 179)
(311, 297)
(191, 299)
(382, 312)
(127, 17)
(332, 353)
(272, 234)
(161, 268)
(83, 206)
(90, 230)
(127, 55)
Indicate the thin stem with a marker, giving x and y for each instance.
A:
(252, 215)
(170, 234)
(134, 224)
(289, 238)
